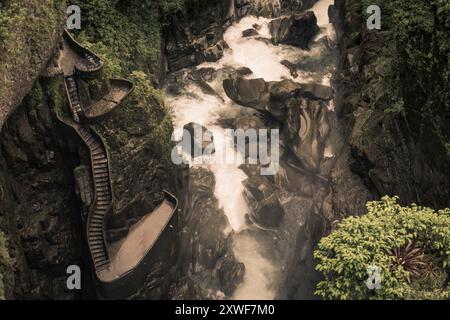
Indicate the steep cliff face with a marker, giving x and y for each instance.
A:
(396, 120)
(195, 35)
(207, 267)
(36, 207)
(40, 210)
(29, 33)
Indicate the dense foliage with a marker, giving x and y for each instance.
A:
(416, 63)
(378, 239)
(127, 33)
(4, 262)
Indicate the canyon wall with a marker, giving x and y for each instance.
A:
(397, 137)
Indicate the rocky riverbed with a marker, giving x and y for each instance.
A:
(265, 80)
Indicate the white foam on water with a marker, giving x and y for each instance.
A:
(320, 10)
(263, 59)
(258, 270)
(206, 110)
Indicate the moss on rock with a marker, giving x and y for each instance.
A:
(29, 32)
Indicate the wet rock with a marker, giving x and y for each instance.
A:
(206, 258)
(249, 33)
(291, 66)
(296, 5)
(205, 74)
(257, 27)
(230, 275)
(297, 180)
(247, 92)
(244, 71)
(296, 30)
(306, 128)
(282, 91)
(174, 88)
(200, 139)
(215, 53)
(273, 96)
(266, 210)
(207, 89)
(248, 122)
(197, 35)
(316, 91)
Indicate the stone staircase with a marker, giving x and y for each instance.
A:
(74, 98)
(103, 200)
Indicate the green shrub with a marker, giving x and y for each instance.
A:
(344, 255)
(4, 263)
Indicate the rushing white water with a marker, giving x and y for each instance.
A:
(206, 110)
(193, 105)
(320, 9)
(262, 58)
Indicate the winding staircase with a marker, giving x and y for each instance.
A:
(102, 202)
(124, 271)
(74, 98)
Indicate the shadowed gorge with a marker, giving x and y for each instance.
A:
(224, 150)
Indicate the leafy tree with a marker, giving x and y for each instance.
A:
(388, 234)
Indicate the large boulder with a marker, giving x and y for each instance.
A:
(306, 129)
(296, 5)
(196, 35)
(199, 138)
(280, 92)
(273, 96)
(249, 33)
(296, 30)
(247, 92)
(266, 210)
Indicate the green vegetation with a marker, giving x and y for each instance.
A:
(415, 63)
(33, 20)
(127, 37)
(4, 263)
(409, 244)
(125, 33)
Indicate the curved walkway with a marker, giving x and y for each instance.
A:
(120, 89)
(113, 264)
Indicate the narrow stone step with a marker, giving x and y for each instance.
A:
(100, 211)
(97, 152)
(101, 171)
(102, 191)
(98, 157)
(100, 260)
(101, 161)
(100, 175)
(97, 245)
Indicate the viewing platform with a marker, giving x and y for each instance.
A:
(120, 267)
(120, 89)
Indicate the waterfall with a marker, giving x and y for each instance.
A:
(193, 105)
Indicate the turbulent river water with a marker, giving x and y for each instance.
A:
(262, 269)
